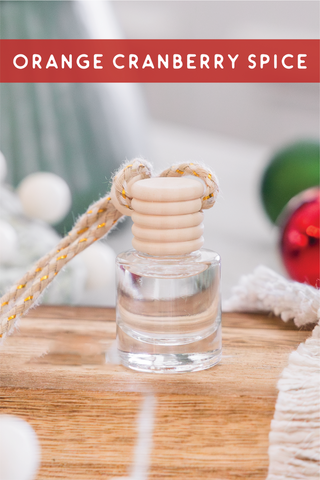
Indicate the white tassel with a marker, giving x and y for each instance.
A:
(294, 450)
(267, 291)
(295, 429)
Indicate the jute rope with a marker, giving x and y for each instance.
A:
(91, 226)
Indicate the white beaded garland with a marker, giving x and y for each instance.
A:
(45, 196)
(19, 449)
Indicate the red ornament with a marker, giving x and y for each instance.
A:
(300, 238)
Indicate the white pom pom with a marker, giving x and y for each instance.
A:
(45, 196)
(99, 259)
(3, 167)
(19, 449)
(8, 242)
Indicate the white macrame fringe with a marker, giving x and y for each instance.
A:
(267, 291)
(294, 450)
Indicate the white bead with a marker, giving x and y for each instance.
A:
(99, 259)
(19, 449)
(8, 242)
(45, 196)
(3, 167)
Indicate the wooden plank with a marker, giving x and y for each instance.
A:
(210, 425)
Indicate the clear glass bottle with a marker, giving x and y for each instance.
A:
(168, 287)
(168, 311)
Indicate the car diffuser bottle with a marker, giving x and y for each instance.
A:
(168, 287)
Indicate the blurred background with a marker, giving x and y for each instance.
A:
(62, 142)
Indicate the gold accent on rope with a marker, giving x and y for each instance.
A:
(204, 174)
(82, 230)
(208, 196)
(101, 210)
(100, 214)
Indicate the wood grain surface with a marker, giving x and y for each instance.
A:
(208, 425)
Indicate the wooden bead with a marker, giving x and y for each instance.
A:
(161, 249)
(166, 208)
(167, 189)
(167, 235)
(168, 221)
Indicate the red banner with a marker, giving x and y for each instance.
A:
(163, 61)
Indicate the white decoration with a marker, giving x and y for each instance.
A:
(266, 290)
(3, 167)
(45, 196)
(99, 260)
(19, 449)
(8, 243)
(295, 429)
(294, 450)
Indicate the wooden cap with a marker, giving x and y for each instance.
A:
(166, 215)
(167, 189)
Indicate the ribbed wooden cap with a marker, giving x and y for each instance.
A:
(166, 215)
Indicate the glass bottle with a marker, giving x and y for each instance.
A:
(168, 289)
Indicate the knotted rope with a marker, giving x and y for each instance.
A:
(91, 226)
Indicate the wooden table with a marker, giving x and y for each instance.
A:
(208, 425)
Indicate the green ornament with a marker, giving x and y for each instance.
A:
(292, 170)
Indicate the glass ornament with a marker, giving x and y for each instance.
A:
(293, 169)
(299, 243)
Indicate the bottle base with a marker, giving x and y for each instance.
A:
(170, 363)
(164, 357)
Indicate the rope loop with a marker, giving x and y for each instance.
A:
(99, 219)
(130, 173)
(203, 173)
